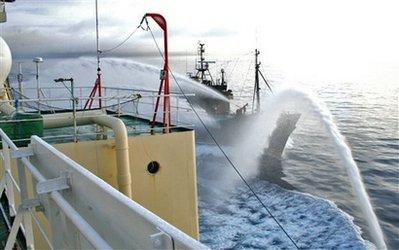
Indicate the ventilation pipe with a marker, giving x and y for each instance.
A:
(121, 139)
(5, 68)
(122, 151)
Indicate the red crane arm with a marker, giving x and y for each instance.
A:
(161, 21)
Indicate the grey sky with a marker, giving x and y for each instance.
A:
(66, 29)
(305, 37)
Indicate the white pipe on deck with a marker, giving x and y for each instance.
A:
(60, 120)
(122, 151)
(121, 139)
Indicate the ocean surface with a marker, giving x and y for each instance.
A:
(367, 115)
(317, 207)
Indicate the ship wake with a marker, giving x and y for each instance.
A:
(234, 218)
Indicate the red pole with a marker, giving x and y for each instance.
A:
(160, 20)
(166, 101)
(100, 104)
(157, 104)
(92, 93)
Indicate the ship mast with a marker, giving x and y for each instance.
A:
(201, 51)
(203, 67)
(222, 80)
(256, 95)
(97, 84)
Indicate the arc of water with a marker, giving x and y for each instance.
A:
(345, 154)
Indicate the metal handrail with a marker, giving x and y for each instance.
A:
(123, 97)
(117, 103)
(86, 116)
(90, 234)
(25, 214)
(90, 87)
(126, 98)
(80, 135)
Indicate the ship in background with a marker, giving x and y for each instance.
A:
(203, 75)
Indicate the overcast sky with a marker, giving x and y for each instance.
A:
(326, 36)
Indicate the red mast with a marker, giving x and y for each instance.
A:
(164, 84)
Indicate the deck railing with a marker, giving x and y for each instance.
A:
(119, 101)
(81, 209)
(55, 98)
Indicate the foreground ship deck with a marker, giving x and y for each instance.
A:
(100, 178)
(66, 196)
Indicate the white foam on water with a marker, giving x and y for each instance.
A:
(234, 218)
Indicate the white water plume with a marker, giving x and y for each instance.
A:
(300, 101)
(116, 72)
(119, 73)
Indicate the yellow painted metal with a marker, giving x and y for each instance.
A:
(171, 193)
(121, 136)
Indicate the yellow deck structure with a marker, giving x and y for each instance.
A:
(170, 193)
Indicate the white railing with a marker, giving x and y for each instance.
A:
(111, 96)
(82, 210)
(120, 101)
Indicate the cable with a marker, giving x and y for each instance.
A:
(266, 79)
(245, 79)
(153, 38)
(231, 163)
(223, 152)
(267, 84)
(97, 38)
(121, 43)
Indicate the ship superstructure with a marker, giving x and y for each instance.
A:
(203, 75)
